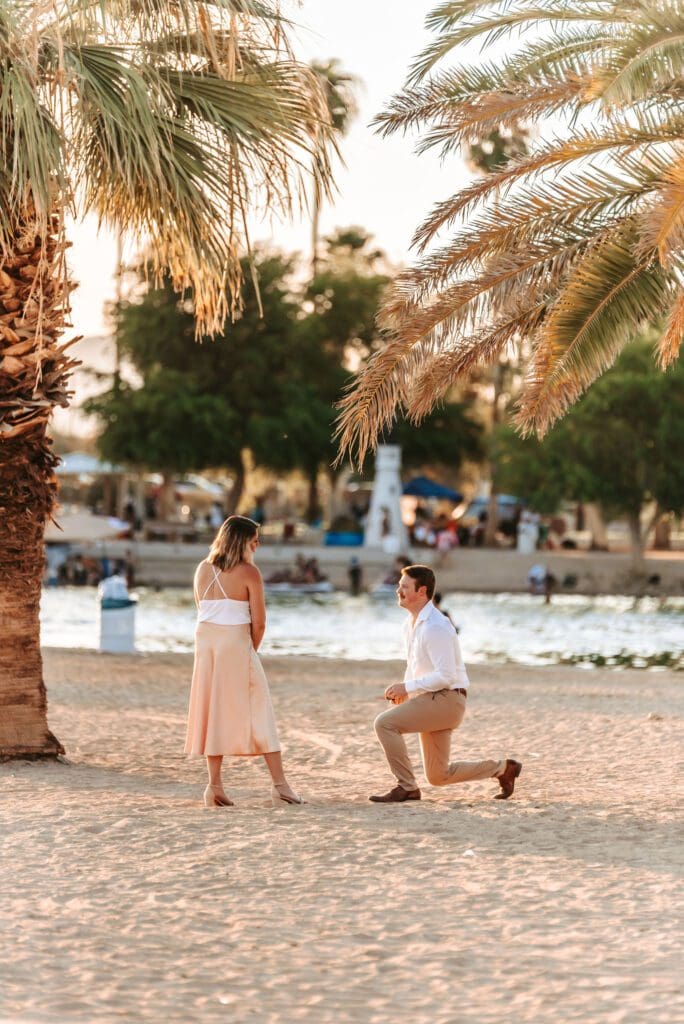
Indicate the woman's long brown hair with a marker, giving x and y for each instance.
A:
(230, 542)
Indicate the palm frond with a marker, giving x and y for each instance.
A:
(569, 248)
(370, 403)
(648, 63)
(497, 111)
(538, 66)
(30, 149)
(460, 29)
(460, 307)
(394, 373)
(618, 140)
(662, 228)
(607, 296)
(170, 143)
(447, 368)
(670, 342)
(545, 217)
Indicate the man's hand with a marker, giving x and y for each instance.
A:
(396, 693)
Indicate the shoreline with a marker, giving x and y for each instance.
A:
(665, 662)
(481, 570)
(139, 905)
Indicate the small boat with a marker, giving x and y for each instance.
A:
(321, 587)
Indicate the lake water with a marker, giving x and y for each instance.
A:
(519, 628)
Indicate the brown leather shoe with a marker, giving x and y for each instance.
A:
(507, 779)
(398, 795)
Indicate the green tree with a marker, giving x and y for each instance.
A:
(166, 120)
(445, 439)
(538, 471)
(337, 325)
(224, 388)
(586, 244)
(170, 425)
(268, 385)
(621, 446)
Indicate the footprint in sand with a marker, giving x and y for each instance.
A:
(318, 740)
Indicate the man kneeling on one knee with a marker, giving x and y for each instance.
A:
(431, 701)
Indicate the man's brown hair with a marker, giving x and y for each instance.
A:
(423, 575)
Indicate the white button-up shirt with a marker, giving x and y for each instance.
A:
(433, 653)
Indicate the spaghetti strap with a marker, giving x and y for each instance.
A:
(211, 584)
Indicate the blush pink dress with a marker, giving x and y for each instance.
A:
(230, 709)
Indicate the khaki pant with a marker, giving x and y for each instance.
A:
(434, 716)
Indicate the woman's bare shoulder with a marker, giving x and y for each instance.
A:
(250, 573)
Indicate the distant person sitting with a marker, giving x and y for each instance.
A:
(80, 572)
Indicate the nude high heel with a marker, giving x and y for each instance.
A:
(279, 798)
(213, 797)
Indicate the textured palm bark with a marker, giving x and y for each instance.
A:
(26, 472)
(34, 371)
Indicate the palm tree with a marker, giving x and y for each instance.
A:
(339, 89)
(586, 242)
(168, 120)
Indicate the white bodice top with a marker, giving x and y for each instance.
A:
(224, 611)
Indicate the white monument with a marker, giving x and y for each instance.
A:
(384, 526)
(528, 533)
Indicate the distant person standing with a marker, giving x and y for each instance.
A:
(478, 534)
(431, 700)
(230, 713)
(129, 568)
(541, 581)
(444, 545)
(216, 515)
(355, 573)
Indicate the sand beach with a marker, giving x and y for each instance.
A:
(122, 899)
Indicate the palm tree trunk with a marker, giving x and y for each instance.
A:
(315, 229)
(26, 472)
(312, 505)
(661, 526)
(493, 504)
(167, 498)
(238, 487)
(638, 540)
(34, 371)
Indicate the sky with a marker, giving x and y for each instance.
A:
(385, 187)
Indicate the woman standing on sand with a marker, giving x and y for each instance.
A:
(230, 710)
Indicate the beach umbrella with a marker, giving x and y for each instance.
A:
(424, 487)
